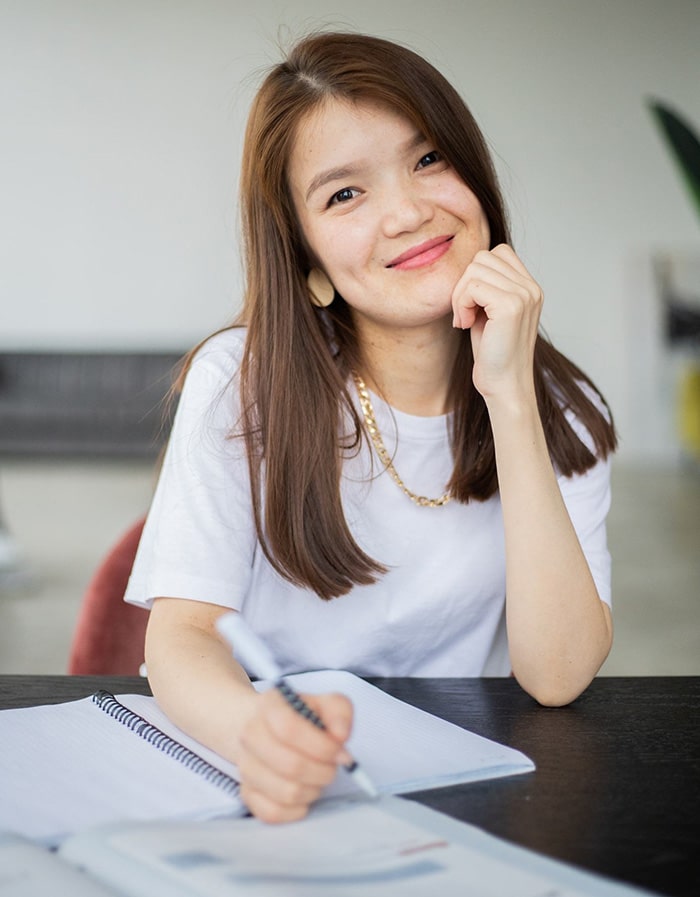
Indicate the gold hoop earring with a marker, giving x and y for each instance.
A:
(321, 290)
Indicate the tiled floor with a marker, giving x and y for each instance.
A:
(65, 516)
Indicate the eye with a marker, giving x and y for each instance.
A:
(343, 195)
(430, 159)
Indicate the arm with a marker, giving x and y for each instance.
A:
(284, 761)
(559, 631)
(199, 540)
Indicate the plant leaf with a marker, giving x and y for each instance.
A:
(683, 143)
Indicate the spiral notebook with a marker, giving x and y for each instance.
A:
(205, 769)
(67, 767)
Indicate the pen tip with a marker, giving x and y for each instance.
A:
(364, 781)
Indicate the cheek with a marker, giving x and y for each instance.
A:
(309, 240)
(462, 203)
(473, 212)
(485, 232)
(345, 249)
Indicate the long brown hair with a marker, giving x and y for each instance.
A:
(294, 377)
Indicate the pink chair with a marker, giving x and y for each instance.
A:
(109, 635)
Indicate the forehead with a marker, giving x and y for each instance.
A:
(338, 112)
(339, 132)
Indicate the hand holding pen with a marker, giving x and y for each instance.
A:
(282, 767)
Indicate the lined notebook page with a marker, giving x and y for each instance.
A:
(69, 766)
(400, 747)
(403, 748)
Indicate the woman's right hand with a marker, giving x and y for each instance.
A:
(284, 760)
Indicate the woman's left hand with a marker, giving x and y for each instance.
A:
(499, 301)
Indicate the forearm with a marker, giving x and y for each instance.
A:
(559, 632)
(194, 678)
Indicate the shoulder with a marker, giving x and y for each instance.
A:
(208, 391)
(220, 354)
(213, 366)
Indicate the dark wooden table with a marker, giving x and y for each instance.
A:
(617, 785)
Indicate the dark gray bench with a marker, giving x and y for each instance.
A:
(91, 404)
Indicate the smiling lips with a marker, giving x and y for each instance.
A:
(422, 255)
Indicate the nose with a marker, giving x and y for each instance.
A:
(404, 211)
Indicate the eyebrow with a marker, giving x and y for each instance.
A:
(346, 171)
(334, 174)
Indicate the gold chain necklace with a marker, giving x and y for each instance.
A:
(376, 437)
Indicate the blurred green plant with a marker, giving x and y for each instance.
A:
(683, 143)
(682, 315)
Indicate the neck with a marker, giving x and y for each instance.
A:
(411, 369)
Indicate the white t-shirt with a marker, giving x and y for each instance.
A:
(440, 608)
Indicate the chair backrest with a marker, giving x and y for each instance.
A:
(109, 635)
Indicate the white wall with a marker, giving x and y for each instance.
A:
(121, 131)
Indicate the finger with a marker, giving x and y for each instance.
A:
(288, 727)
(464, 317)
(260, 750)
(509, 255)
(270, 810)
(289, 791)
(476, 325)
(336, 712)
(280, 779)
(496, 302)
(497, 271)
(293, 729)
(475, 288)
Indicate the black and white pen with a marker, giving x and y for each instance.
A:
(257, 657)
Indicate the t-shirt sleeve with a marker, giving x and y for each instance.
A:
(199, 540)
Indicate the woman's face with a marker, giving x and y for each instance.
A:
(383, 214)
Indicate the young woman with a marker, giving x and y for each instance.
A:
(382, 466)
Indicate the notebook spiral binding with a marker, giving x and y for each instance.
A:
(150, 733)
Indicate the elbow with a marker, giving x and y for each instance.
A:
(556, 678)
(553, 696)
(554, 690)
